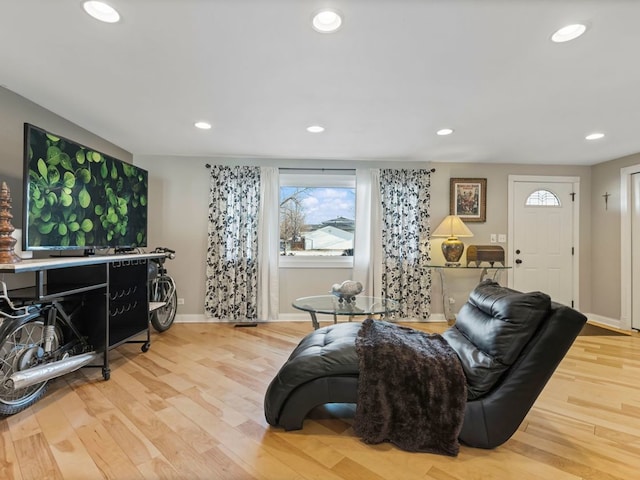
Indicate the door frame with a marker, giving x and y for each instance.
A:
(575, 224)
(626, 275)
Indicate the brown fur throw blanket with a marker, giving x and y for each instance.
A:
(411, 389)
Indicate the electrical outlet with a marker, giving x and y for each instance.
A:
(494, 238)
(502, 238)
(181, 301)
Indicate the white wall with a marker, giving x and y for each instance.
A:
(15, 111)
(607, 255)
(178, 209)
(179, 199)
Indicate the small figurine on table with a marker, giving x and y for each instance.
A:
(346, 291)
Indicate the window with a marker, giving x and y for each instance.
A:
(317, 218)
(543, 198)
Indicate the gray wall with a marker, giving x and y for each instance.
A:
(497, 215)
(15, 111)
(178, 209)
(179, 199)
(607, 256)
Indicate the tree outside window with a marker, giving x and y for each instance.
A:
(317, 221)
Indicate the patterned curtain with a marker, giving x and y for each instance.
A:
(232, 266)
(405, 197)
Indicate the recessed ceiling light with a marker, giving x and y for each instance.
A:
(101, 11)
(594, 136)
(326, 21)
(444, 131)
(203, 125)
(315, 129)
(570, 32)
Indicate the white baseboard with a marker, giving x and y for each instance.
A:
(297, 317)
(195, 318)
(202, 318)
(288, 317)
(611, 322)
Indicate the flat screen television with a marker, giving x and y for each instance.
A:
(77, 198)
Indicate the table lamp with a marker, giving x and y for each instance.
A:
(452, 227)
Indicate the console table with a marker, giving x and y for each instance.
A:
(331, 305)
(484, 273)
(117, 309)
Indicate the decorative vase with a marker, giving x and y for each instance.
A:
(452, 249)
(7, 242)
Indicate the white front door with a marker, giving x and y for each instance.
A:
(542, 251)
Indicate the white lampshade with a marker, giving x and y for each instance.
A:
(452, 226)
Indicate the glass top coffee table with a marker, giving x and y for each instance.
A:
(331, 305)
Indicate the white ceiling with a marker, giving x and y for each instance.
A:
(397, 71)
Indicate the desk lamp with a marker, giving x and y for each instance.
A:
(452, 227)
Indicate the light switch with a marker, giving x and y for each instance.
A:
(494, 238)
(502, 238)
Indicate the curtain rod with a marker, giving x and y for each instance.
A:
(331, 169)
(317, 169)
(207, 165)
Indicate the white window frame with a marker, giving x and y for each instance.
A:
(544, 190)
(317, 179)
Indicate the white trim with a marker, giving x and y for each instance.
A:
(193, 318)
(290, 317)
(611, 322)
(202, 318)
(318, 179)
(295, 317)
(315, 261)
(626, 276)
(576, 224)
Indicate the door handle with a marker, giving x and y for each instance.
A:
(518, 261)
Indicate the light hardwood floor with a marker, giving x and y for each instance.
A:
(191, 408)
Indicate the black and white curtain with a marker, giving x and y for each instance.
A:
(232, 253)
(405, 199)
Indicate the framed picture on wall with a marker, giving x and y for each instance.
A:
(468, 199)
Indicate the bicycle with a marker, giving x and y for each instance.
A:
(163, 297)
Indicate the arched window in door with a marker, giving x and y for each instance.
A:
(542, 198)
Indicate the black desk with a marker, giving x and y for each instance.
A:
(118, 306)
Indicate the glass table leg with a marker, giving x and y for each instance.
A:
(449, 316)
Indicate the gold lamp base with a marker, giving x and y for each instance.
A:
(452, 249)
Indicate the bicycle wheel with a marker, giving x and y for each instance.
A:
(164, 290)
(21, 347)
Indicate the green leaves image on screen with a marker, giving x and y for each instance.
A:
(82, 198)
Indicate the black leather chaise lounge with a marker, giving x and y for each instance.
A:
(509, 344)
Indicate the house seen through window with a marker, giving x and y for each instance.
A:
(317, 215)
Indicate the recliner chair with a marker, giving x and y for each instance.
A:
(509, 344)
